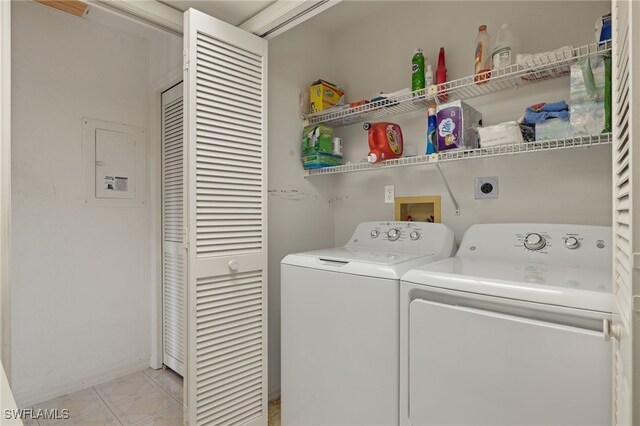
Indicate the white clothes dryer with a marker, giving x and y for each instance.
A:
(510, 330)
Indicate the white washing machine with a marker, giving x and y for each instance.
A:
(510, 330)
(340, 323)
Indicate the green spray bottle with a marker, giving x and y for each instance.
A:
(417, 70)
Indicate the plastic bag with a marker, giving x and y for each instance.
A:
(587, 96)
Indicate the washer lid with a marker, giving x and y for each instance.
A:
(364, 255)
(554, 284)
(373, 263)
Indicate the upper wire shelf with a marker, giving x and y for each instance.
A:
(538, 68)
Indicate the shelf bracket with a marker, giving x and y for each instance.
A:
(448, 188)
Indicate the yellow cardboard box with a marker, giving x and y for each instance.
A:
(323, 95)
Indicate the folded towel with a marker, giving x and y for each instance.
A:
(540, 112)
(549, 106)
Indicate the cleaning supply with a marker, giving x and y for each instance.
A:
(324, 95)
(428, 76)
(483, 56)
(432, 129)
(337, 147)
(441, 73)
(385, 141)
(417, 70)
(319, 160)
(317, 139)
(506, 48)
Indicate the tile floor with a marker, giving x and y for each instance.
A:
(274, 413)
(149, 397)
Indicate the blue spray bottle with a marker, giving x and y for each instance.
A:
(432, 126)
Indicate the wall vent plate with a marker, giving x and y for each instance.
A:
(486, 187)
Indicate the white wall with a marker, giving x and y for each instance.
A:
(564, 186)
(300, 214)
(81, 275)
(367, 47)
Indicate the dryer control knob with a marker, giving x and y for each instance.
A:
(375, 233)
(414, 235)
(571, 243)
(393, 234)
(534, 241)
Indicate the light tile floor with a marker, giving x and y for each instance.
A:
(274, 413)
(149, 397)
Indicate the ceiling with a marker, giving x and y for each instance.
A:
(232, 12)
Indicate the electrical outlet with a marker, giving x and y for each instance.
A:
(389, 194)
(486, 187)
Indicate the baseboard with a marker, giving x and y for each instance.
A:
(27, 399)
(274, 394)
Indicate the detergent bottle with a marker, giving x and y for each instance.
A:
(506, 47)
(385, 141)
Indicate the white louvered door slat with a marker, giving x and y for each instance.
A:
(225, 211)
(626, 223)
(173, 253)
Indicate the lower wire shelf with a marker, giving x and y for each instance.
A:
(447, 156)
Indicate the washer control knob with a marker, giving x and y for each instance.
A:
(393, 234)
(534, 242)
(415, 235)
(571, 243)
(375, 233)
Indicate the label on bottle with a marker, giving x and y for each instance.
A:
(415, 68)
(479, 48)
(394, 139)
(502, 57)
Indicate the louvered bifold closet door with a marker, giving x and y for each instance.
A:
(174, 306)
(225, 101)
(626, 211)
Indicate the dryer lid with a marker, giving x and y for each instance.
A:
(553, 284)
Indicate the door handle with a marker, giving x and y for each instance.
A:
(610, 330)
(233, 265)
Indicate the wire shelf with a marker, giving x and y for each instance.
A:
(538, 68)
(512, 149)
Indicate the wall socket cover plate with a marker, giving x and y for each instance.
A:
(389, 194)
(486, 187)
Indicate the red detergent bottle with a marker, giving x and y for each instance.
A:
(385, 141)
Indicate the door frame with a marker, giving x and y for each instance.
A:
(5, 186)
